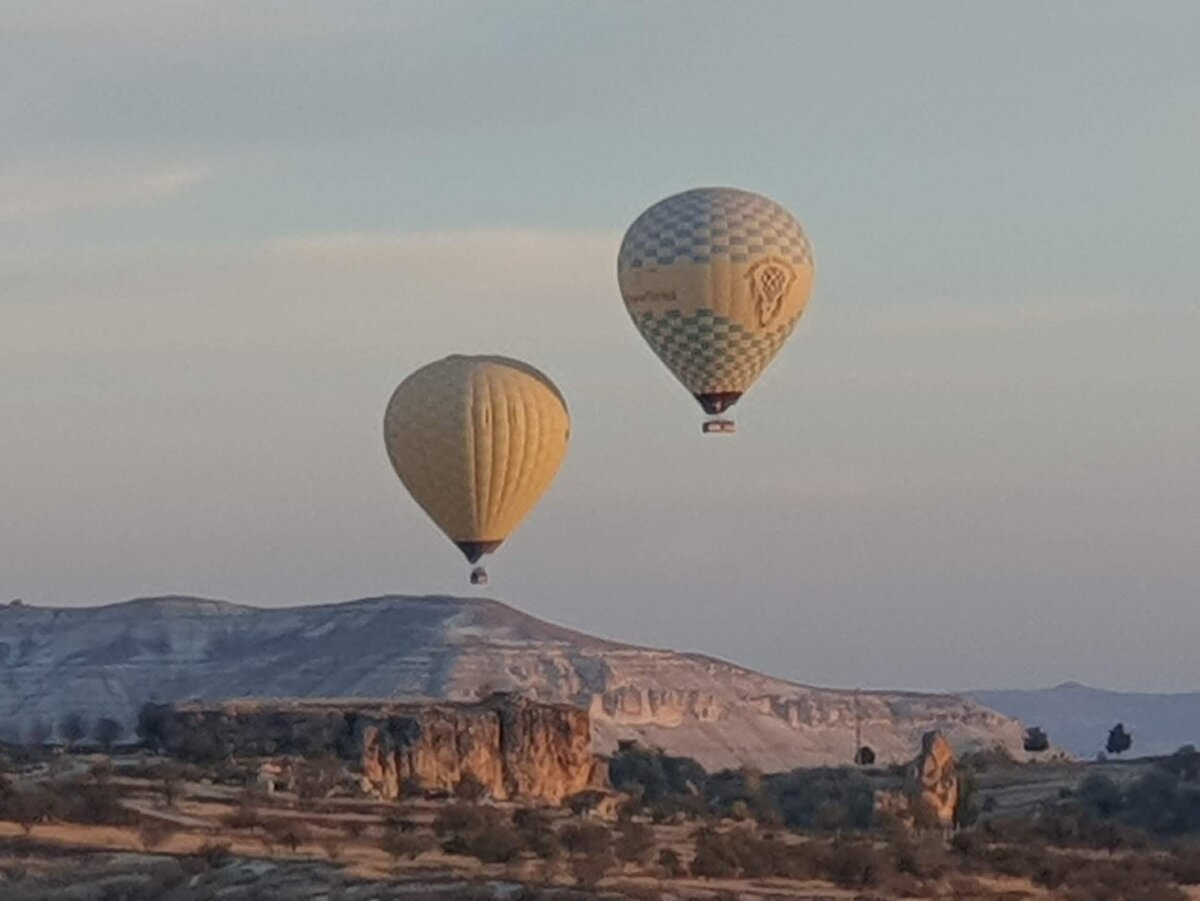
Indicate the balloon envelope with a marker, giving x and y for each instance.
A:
(715, 279)
(476, 441)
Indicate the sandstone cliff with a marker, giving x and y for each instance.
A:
(514, 748)
(106, 661)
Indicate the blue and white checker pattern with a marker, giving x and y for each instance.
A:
(707, 223)
(710, 353)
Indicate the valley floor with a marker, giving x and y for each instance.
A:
(193, 840)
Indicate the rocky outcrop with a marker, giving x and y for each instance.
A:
(514, 749)
(937, 779)
(108, 660)
(929, 797)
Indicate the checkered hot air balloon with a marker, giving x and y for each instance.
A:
(715, 279)
(477, 441)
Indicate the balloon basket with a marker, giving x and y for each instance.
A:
(479, 576)
(719, 427)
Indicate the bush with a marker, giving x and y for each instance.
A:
(107, 731)
(537, 834)
(287, 831)
(333, 847)
(153, 833)
(469, 788)
(82, 801)
(857, 865)
(1100, 796)
(995, 757)
(497, 842)
(244, 816)
(822, 799)
(923, 857)
(715, 856)
(398, 843)
(317, 777)
(26, 807)
(215, 854)
(742, 852)
(1184, 865)
(460, 818)
(585, 838)
(635, 842)
(653, 775)
(1183, 764)
(479, 832)
(671, 865)
(591, 869)
(1130, 879)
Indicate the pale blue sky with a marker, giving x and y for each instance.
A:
(227, 232)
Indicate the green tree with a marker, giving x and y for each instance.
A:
(1119, 739)
(1036, 740)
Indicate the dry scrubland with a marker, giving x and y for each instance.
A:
(138, 828)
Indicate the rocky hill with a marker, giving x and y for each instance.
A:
(1078, 717)
(107, 661)
(513, 748)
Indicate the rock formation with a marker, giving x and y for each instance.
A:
(929, 797)
(513, 748)
(108, 661)
(937, 779)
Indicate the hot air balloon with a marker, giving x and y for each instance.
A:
(476, 441)
(715, 279)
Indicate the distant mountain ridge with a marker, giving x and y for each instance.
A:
(107, 661)
(1078, 717)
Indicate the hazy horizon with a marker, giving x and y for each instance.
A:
(229, 232)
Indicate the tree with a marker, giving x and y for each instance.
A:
(153, 725)
(1100, 796)
(107, 731)
(672, 866)
(172, 783)
(72, 727)
(154, 832)
(469, 788)
(865, 756)
(635, 842)
(1119, 740)
(1184, 763)
(317, 777)
(1036, 740)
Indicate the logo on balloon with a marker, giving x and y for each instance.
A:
(770, 281)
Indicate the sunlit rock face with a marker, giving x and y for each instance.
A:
(514, 749)
(937, 778)
(107, 661)
(929, 797)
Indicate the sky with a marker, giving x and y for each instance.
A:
(227, 231)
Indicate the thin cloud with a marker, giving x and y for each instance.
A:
(42, 193)
(947, 317)
(478, 264)
(347, 291)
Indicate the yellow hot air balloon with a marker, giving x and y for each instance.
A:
(715, 280)
(476, 441)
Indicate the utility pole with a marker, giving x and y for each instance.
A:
(857, 730)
